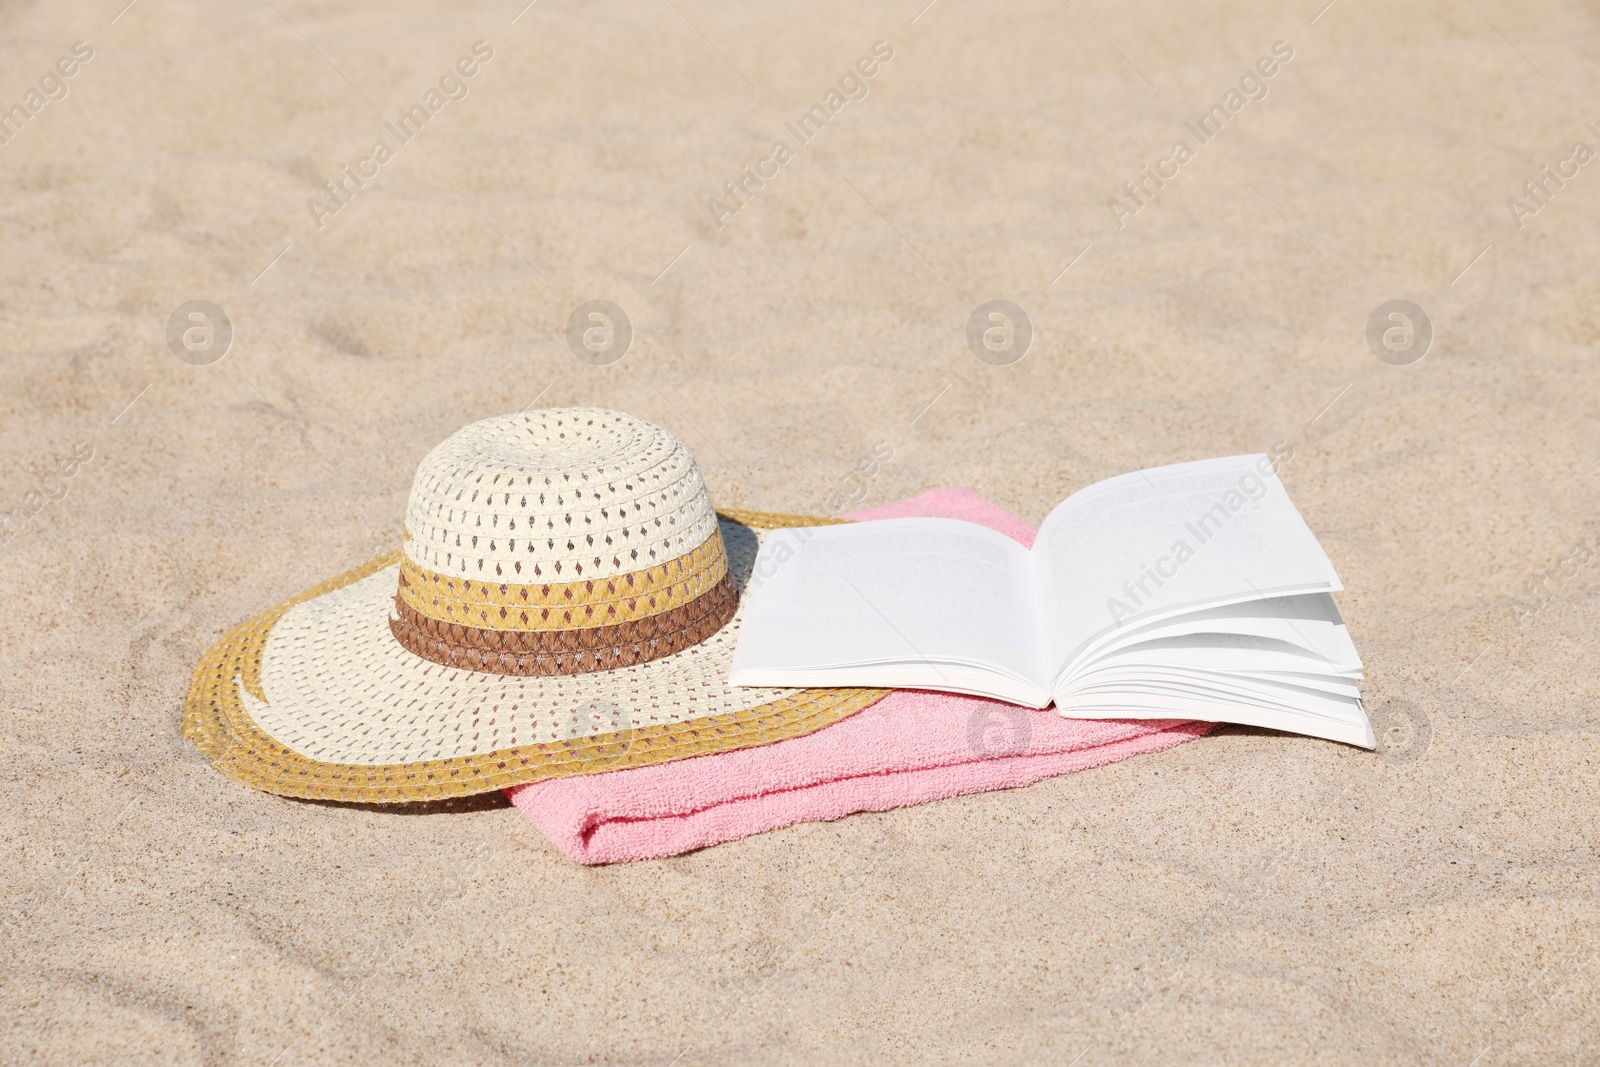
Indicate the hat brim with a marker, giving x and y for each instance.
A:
(316, 699)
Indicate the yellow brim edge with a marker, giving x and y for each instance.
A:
(215, 719)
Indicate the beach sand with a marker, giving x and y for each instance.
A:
(1246, 898)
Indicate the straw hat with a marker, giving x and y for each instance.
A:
(565, 601)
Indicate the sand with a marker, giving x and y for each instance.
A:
(1247, 898)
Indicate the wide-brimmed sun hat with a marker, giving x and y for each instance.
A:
(565, 601)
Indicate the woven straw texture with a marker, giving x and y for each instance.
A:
(558, 495)
(620, 598)
(361, 719)
(574, 651)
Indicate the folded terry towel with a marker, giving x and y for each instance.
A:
(911, 746)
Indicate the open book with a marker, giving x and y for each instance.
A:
(1194, 591)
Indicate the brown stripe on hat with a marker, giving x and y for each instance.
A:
(576, 651)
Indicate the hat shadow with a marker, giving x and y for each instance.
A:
(490, 801)
(741, 544)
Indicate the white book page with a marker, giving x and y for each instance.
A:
(902, 596)
(1310, 622)
(1289, 699)
(946, 677)
(1349, 725)
(1285, 663)
(1227, 652)
(1162, 542)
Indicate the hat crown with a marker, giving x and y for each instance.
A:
(556, 495)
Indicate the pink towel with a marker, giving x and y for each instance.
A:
(910, 747)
